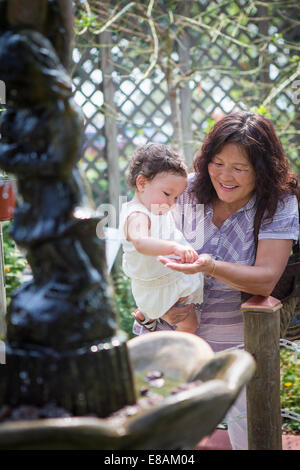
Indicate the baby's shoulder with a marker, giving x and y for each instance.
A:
(133, 206)
(135, 213)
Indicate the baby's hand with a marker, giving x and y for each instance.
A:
(186, 253)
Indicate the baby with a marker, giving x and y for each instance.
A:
(147, 228)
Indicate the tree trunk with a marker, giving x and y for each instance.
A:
(110, 126)
(175, 114)
(185, 91)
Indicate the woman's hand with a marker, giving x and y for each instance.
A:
(203, 264)
(259, 279)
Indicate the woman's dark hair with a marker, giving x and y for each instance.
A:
(151, 159)
(256, 136)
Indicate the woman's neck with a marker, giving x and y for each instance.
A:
(223, 210)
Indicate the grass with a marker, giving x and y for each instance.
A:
(14, 262)
(290, 387)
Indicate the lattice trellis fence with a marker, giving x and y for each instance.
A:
(232, 67)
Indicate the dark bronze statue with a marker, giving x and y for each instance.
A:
(63, 342)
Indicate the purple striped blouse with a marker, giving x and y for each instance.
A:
(220, 318)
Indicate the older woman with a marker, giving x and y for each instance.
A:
(240, 169)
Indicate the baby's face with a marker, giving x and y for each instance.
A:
(160, 194)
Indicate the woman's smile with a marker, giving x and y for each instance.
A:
(226, 187)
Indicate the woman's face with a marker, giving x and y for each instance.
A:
(232, 176)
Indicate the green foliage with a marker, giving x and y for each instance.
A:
(262, 110)
(14, 262)
(290, 386)
(125, 303)
(209, 125)
(86, 21)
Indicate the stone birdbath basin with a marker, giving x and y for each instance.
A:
(210, 383)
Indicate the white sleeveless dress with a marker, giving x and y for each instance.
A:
(155, 287)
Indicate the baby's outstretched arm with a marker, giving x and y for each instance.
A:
(138, 232)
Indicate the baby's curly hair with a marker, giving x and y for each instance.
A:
(151, 159)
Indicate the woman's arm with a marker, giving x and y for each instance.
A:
(260, 279)
(137, 230)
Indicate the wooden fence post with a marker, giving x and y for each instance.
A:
(110, 125)
(262, 340)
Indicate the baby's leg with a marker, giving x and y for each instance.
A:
(189, 324)
(146, 322)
